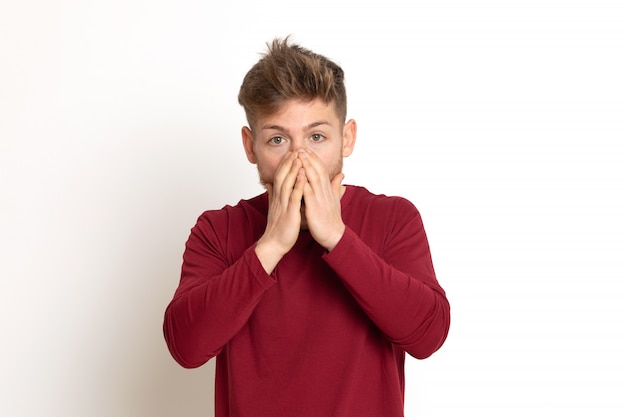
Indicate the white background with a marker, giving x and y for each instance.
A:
(503, 121)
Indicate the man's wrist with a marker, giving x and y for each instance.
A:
(331, 243)
(269, 254)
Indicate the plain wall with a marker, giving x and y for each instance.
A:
(503, 122)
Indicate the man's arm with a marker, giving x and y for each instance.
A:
(215, 299)
(397, 288)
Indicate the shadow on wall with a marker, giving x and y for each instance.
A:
(121, 365)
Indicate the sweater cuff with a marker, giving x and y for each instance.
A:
(343, 248)
(254, 264)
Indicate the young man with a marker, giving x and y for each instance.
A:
(310, 294)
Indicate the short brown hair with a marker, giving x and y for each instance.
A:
(289, 71)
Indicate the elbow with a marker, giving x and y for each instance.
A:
(186, 361)
(433, 335)
(185, 364)
(185, 352)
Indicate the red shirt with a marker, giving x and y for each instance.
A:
(325, 333)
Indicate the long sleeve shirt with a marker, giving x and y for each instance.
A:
(325, 333)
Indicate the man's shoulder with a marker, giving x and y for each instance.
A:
(378, 218)
(246, 213)
(257, 203)
(361, 197)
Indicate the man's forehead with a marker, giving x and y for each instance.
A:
(300, 115)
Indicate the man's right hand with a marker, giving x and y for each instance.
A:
(283, 217)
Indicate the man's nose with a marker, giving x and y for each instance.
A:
(297, 144)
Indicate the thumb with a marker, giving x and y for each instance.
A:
(336, 182)
(270, 192)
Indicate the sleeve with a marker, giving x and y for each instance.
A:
(213, 300)
(397, 289)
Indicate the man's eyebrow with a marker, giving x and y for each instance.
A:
(307, 127)
(316, 124)
(274, 127)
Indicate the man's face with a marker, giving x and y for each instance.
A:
(312, 125)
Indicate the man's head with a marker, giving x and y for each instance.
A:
(288, 72)
(295, 100)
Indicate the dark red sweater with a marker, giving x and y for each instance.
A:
(325, 333)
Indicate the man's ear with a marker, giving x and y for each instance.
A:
(248, 144)
(349, 137)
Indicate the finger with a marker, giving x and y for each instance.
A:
(284, 178)
(289, 181)
(307, 190)
(336, 183)
(270, 192)
(284, 167)
(315, 170)
(298, 189)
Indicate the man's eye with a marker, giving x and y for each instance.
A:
(276, 140)
(317, 137)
